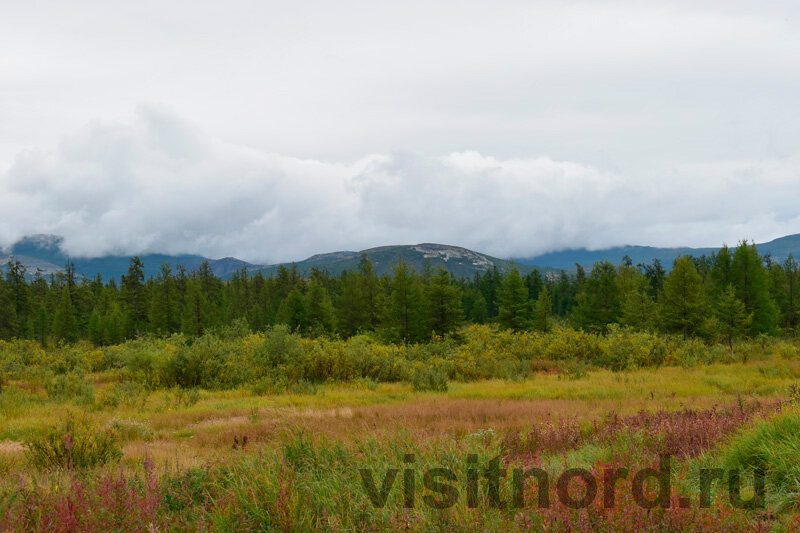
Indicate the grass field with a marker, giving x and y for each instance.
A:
(239, 459)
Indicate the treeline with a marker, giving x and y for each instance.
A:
(729, 294)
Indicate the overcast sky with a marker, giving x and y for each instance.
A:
(274, 130)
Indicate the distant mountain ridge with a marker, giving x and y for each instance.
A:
(460, 262)
(44, 253)
(779, 249)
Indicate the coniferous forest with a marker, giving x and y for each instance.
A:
(730, 294)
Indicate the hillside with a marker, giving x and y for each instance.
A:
(779, 249)
(460, 262)
(43, 252)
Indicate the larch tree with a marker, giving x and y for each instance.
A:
(751, 282)
(682, 303)
(731, 314)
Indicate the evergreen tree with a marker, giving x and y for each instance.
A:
(791, 308)
(406, 312)
(65, 324)
(682, 304)
(655, 274)
(542, 310)
(732, 316)
(292, 311)
(133, 295)
(20, 295)
(638, 307)
(164, 303)
(598, 303)
(116, 324)
(721, 270)
(8, 313)
(474, 305)
(319, 309)
(563, 294)
(752, 288)
(514, 310)
(444, 301)
(95, 329)
(535, 284)
(195, 318)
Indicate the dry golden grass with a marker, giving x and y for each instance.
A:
(185, 435)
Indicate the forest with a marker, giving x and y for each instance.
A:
(184, 402)
(731, 294)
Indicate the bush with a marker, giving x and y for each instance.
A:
(127, 430)
(186, 397)
(270, 385)
(74, 445)
(73, 386)
(127, 394)
(430, 380)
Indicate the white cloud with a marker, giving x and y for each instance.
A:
(158, 183)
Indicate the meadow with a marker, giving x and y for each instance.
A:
(272, 431)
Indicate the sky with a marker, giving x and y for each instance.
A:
(271, 131)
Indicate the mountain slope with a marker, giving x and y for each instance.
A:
(460, 262)
(44, 252)
(779, 249)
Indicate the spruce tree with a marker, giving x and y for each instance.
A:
(164, 303)
(542, 310)
(65, 324)
(444, 303)
(682, 305)
(475, 305)
(133, 295)
(8, 313)
(194, 319)
(20, 295)
(598, 303)
(319, 312)
(95, 329)
(407, 306)
(292, 310)
(514, 310)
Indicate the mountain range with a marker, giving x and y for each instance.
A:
(44, 253)
(779, 249)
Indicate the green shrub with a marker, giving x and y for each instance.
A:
(574, 370)
(430, 380)
(303, 386)
(72, 386)
(127, 394)
(74, 445)
(127, 430)
(185, 397)
(277, 384)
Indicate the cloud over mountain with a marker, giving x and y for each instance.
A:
(155, 182)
